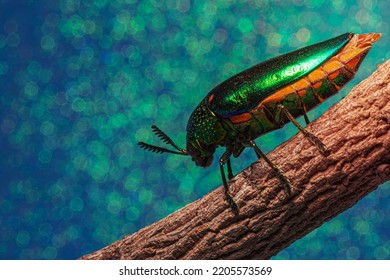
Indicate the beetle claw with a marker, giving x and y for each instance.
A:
(284, 180)
(232, 204)
(286, 185)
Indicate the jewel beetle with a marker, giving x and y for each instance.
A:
(264, 98)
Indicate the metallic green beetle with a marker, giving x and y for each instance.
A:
(264, 98)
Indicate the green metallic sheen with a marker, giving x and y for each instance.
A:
(204, 125)
(247, 89)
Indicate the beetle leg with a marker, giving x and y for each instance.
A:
(286, 183)
(311, 137)
(225, 158)
(307, 121)
(306, 118)
(230, 171)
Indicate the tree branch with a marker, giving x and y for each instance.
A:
(357, 132)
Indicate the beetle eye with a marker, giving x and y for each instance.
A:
(193, 150)
(203, 161)
(198, 149)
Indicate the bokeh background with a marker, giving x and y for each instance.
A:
(82, 81)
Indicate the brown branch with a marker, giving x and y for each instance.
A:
(356, 130)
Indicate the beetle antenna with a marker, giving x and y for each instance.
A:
(165, 138)
(158, 150)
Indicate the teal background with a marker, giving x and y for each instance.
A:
(82, 81)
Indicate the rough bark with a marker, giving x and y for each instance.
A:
(357, 132)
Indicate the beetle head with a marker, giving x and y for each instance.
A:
(200, 153)
(204, 134)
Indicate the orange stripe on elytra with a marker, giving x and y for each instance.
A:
(211, 97)
(301, 84)
(302, 92)
(240, 118)
(332, 66)
(278, 95)
(316, 75)
(334, 75)
(353, 62)
(317, 85)
(346, 56)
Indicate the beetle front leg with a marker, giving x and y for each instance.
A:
(230, 170)
(225, 158)
(286, 182)
(307, 121)
(311, 137)
(306, 118)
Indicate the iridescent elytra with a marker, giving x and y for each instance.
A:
(264, 98)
